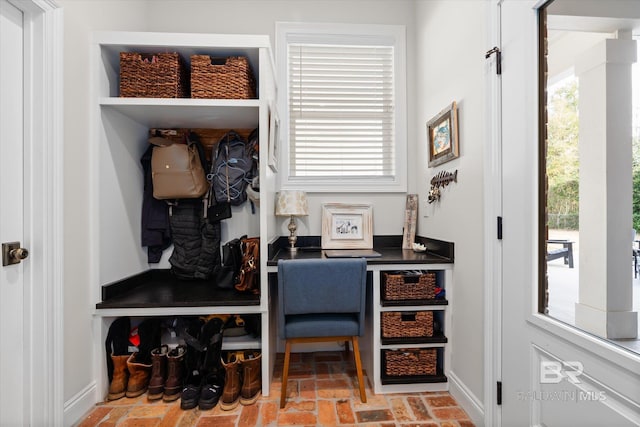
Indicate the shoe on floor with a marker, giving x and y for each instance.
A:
(210, 392)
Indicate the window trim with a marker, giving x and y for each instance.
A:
(394, 35)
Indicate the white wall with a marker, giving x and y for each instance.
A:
(259, 17)
(80, 18)
(215, 16)
(445, 60)
(450, 39)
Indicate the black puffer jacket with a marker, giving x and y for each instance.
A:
(156, 234)
(196, 242)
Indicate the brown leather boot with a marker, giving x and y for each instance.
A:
(175, 374)
(120, 379)
(158, 372)
(251, 377)
(139, 374)
(231, 392)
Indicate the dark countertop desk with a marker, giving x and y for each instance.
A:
(373, 347)
(389, 247)
(158, 288)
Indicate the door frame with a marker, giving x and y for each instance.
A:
(43, 181)
(492, 211)
(551, 331)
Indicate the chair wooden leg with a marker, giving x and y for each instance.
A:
(356, 356)
(285, 374)
(346, 349)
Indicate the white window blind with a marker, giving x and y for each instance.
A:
(341, 111)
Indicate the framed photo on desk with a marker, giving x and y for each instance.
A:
(347, 226)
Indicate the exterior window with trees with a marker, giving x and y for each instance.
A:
(590, 170)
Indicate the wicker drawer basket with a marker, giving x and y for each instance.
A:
(407, 324)
(409, 286)
(163, 75)
(410, 362)
(222, 78)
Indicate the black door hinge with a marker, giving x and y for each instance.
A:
(495, 50)
(499, 228)
(499, 392)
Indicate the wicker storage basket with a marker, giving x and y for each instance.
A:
(409, 286)
(222, 78)
(407, 324)
(163, 75)
(410, 362)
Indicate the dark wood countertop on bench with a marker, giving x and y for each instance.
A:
(158, 288)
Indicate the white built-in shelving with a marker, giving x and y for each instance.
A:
(119, 133)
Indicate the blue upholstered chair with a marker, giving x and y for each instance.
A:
(321, 300)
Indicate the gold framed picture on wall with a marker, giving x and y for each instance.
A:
(442, 136)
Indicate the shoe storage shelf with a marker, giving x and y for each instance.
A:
(123, 283)
(410, 349)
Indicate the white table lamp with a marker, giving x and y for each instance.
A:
(292, 203)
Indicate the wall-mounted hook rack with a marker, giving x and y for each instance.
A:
(441, 179)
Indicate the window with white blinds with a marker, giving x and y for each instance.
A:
(344, 113)
(341, 110)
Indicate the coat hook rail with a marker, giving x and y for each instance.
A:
(441, 179)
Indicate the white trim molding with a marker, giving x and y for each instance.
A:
(80, 404)
(353, 35)
(492, 210)
(465, 398)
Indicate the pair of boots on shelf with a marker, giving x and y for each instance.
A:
(205, 378)
(167, 373)
(196, 372)
(129, 372)
(243, 379)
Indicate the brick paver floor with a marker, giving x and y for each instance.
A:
(322, 392)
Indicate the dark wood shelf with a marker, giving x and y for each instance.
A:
(439, 377)
(437, 338)
(413, 302)
(159, 288)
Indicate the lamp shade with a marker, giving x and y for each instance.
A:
(292, 202)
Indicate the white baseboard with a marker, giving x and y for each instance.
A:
(466, 399)
(78, 407)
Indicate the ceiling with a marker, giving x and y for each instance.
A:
(595, 16)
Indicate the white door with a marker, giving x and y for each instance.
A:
(12, 392)
(551, 374)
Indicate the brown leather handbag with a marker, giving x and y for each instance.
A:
(249, 276)
(176, 170)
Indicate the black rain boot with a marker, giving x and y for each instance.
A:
(211, 341)
(213, 380)
(212, 385)
(190, 394)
